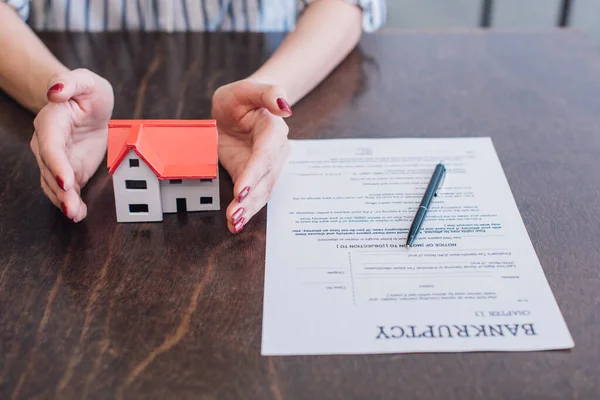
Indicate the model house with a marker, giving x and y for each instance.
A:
(162, 167)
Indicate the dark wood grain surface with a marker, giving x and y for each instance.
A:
(173, 310)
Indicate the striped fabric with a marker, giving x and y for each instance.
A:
(177, 15)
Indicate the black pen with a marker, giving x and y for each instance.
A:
(434, 184)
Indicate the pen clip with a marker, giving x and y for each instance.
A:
(437, 190)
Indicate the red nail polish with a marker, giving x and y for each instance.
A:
(60, 182)
(284, 105)
(240, 225)
(57, 87)
(64, 208)
(244, 193)
(237, 215)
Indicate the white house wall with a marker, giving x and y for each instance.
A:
(124, 197)
(192, 191)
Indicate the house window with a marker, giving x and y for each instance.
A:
(205, 180)
(138, 208)
(205, 200)
(134, 162)
(175, 181)
(135, 184)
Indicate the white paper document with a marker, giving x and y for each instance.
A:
(339, 279)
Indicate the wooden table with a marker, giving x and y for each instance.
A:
(174, 309)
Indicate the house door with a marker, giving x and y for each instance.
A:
(181, 205)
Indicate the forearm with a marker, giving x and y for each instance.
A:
(326, 33)
(26, 64)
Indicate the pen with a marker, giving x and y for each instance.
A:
(434, 184)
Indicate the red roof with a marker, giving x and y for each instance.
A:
(173, 149)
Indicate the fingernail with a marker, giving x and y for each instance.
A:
(57, 87)
(64, 208)
(60, 182)
(283, 105)
(237, 215)
(240, 225)
(244, 193)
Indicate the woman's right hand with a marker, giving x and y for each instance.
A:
(70, 137)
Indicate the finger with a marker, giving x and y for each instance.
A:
(259, 165)
(72, 205)
(81, 212)
(45, 175)
(268, 148)
(238, 226)
(50, 179)
(67, 201)
(51, 134)
(236, 217)
(49, 193)
(44, 172)
(71, 84)
(238, 213)
(271, 97)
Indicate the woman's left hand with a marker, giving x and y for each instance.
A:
(253, 144)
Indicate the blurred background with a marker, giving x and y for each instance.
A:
(583, 15)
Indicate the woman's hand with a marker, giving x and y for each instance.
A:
(70, 137)
(253, 144)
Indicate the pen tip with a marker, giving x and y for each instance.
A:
(407, 246)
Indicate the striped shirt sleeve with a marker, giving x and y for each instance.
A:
(373, 12)
(20, 6)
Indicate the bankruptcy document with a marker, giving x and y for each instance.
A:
(339, 279)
